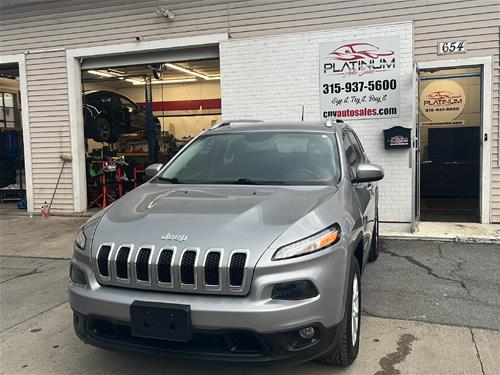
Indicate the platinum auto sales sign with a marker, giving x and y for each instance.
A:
(359, 79)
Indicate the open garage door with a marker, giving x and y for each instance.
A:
(140, 109)
(12, 172)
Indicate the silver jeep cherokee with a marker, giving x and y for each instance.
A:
(248, 246)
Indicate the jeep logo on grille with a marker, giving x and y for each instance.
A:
(174, 237)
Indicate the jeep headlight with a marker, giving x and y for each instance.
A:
(80, 240)
(309, 245)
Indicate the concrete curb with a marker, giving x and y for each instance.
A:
(471, 240)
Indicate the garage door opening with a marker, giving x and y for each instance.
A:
(12, 171)
(141, 114)
(450, 144)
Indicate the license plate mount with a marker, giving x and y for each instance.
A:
(162, 321)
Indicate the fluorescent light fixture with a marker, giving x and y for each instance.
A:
(192, 72)
(134, 81)
(157, 82)
(99, 73)
(115, 72)
(108, 73)
(165, 13)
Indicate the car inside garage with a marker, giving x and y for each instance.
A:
(136, 115)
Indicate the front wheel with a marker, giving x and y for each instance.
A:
(104, 131)
(348, 347)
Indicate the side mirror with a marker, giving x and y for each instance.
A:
(368, 173)
(153, 170)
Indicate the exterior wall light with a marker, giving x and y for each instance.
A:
(165, 13)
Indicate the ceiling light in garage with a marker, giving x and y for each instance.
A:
(100, 73)
(166, 81)
(192, 72)
(108, 73)
(134, 81)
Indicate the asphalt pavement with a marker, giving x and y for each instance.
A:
(439, 282)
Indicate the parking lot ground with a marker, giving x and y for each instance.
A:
(21, 235)
(46, 345)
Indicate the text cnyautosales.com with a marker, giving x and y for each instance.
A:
(361, 112)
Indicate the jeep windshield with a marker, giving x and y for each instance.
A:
(257, 158)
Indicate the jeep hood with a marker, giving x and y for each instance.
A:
(228, 217)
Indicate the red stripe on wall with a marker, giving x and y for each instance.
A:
(184, 105)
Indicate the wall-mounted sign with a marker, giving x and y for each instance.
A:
(442, 101)
(359, 79)
(451, 47)
(397, 137)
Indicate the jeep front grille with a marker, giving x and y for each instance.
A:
(103, 260)
(142, 265)
(212, 268)
(189, 270)
(165, 266)
(122, 263)
(237, 269)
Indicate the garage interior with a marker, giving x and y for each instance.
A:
(139, 114)
(12, 176)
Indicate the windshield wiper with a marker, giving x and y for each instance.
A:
(247, 181)
(244, 181)
(173, 180)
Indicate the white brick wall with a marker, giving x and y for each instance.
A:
(271, 78)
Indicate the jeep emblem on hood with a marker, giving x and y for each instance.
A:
(174, 237)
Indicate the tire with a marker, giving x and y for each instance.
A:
(373, 255)
(346, 351)
(104, 131)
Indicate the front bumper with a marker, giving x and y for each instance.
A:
(256, 311)
(246, 346)
(270, 324)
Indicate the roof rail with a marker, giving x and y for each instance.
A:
(332, 120)
(229, 122)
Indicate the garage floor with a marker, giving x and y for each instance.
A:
(419, 297)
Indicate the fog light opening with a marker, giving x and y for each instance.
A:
(307, 333)
(103, 328)
(294, 290)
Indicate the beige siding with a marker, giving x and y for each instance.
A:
(49, 128)
(73, 23)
